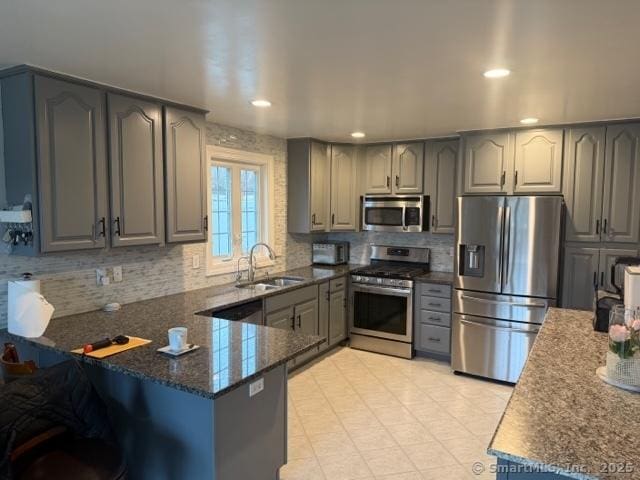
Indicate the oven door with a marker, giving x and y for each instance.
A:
(392, 215)
(383, 312)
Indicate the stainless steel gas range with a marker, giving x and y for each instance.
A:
(382, 299)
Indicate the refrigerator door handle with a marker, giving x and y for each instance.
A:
(507, 242)
(494, 327)
(500, 260)
(498, 302)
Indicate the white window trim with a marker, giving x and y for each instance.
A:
(215, 266)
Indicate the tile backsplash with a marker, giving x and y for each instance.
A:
(68, 279)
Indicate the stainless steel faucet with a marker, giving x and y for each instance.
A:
(272, 256)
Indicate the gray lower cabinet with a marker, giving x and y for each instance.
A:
(581, 266)
(440, 181)
(621, 203)
(323, 313)
(185, 175)
(72, 166)
(378, 164)
(408, 165)
(308, 162)
(486, 161)
(538, 161)
(583, 184)
(283, 318)
(136, 171)
(333, 311)
(343, 188)
(432, 319)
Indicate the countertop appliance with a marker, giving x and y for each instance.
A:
(398, 213)
(247, 312)
(604, 304)
(329, 253)
(382, 300)
(505, 278)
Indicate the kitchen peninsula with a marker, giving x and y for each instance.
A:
(563, 421)
(219, 412)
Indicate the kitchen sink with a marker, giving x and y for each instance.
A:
(272, 283)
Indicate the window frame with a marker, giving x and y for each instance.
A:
(217, 155)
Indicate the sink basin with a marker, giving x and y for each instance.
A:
(272, 283)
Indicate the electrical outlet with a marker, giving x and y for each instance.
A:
(101, 277)
(117, 274)
(195, 260)
(256, 387)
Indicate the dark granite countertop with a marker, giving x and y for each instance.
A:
(561, 415)
(436, 277)
(231, 353)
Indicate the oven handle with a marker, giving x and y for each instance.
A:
(395, 292)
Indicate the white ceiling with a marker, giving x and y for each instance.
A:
(391, 68)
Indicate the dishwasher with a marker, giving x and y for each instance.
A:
(247, 312)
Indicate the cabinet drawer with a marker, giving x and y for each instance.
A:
(337, 284)
(435, 290)
(435, 318)
(433, 339)
(435, 303)
(294, 297)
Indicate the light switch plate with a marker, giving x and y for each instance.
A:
(195, 261)
(117, 274)
(256, 387)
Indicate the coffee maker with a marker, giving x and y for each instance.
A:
(604, 305)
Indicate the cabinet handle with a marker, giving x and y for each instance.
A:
(313, 219)
(117, 224)
(397, 180)
(103, 227)
(206, 223)
(598, 227)
(345, 302)
(435, 319)
(601, 279)
(299, 321)
(433, 339)
(595, 279)
(604, 226)
(328, 296)
(515, 178)
(434, 304)
(293, 322)
(333, 219)
(503, 178)
(388, 181)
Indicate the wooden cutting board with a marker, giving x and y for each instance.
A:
(134, 342)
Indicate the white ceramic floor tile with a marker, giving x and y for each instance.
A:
(429, 455)
(372, 438)
(344, 467)
(394, 415)
(388, 461)
(402, 476)
(299, 447)
(410, 434)
(450, 472)
(303, 469)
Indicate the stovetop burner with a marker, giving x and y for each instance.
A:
(390, 270)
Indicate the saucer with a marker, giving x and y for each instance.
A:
(177, 353)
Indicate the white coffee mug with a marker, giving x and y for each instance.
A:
(178, 338)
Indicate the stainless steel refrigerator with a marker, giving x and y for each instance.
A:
(506, 276)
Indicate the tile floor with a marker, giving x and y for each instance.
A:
(359, 415)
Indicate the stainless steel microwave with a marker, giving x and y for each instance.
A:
(398, 213)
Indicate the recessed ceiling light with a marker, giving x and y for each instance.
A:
(358, 135)
(497, 73)
(529, 121)
(261, 103)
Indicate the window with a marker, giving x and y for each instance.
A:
(240, 207)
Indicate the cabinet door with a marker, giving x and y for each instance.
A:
(306, 315)
(378, 168)
(408, 167)
(538, 161)
(185, 159)
(337, 317)
(584, 173)
(608, 257)
(581, 266)
(319, 184)
(440, 175)
(343, 187)
(71, 134)
(137, 171)
(281, 319)
(621, 209)
(323, 313)
(486, 161)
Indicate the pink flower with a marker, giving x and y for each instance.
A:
(619, 333)
(635, 325)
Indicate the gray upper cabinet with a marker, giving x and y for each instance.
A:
(581, 267)
(136, 171)
(408, 165)
(621, 204)
(584, 173)
(538, 161)
(486, 160)
(440, 178)
(378, 160)
(71, 145)
(309, 163)
(185, 174)
(343, 188)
